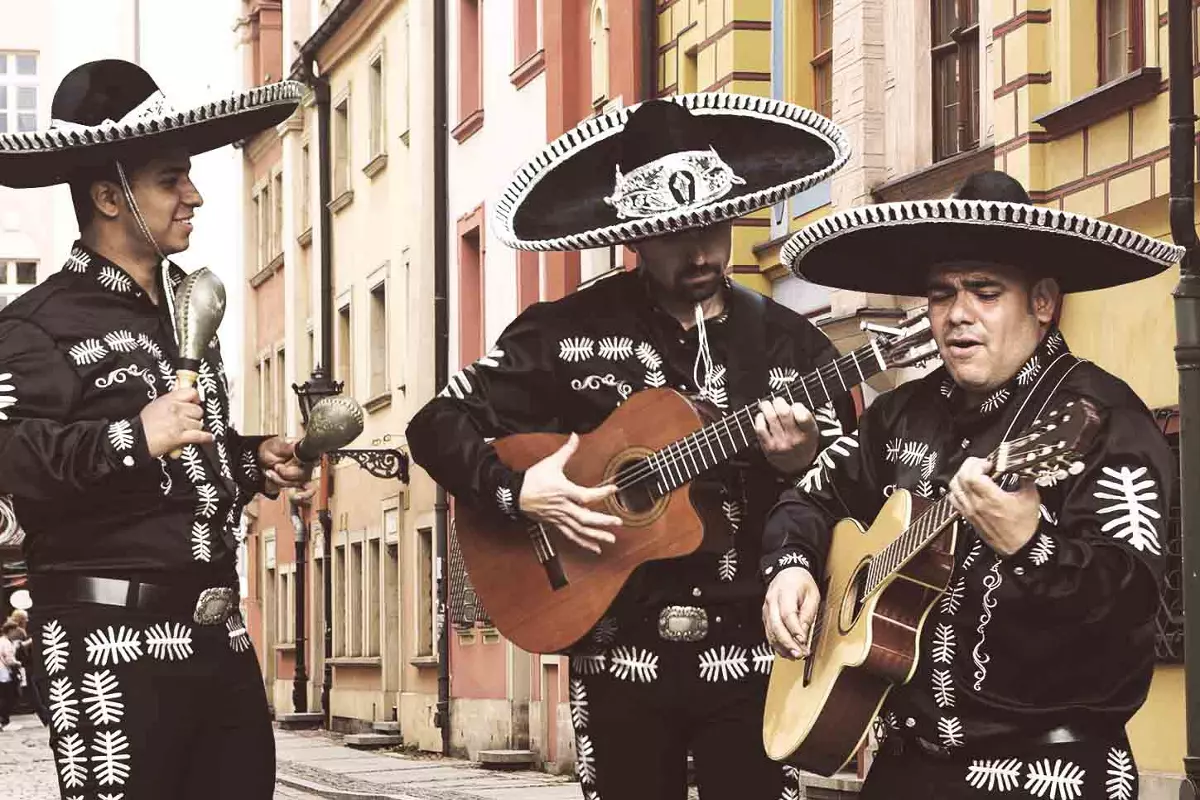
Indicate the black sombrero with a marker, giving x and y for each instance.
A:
(106, 111)
(889, 248)
(664, 166)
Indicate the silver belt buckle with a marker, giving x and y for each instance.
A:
(214, 605)
(683, 623)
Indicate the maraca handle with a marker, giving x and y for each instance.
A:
(184, 379)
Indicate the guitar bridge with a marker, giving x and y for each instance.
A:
(547, 556)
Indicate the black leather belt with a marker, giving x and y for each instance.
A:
(211, 606)
(1000, 745)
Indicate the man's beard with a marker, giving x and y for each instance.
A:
(698, 291)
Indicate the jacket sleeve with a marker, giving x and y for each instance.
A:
(1104, 547)
(45, 452)
(510, 390)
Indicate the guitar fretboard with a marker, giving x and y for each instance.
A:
(681, 461)
(917, 536)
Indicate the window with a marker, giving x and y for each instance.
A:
(255, 223)
(822, 63)
(354, 611)
(286, 604)
(312, 352)
(688, 70)
(281, 393)
(263, 226)
(266, 398)
(470, 62)
(373, 617)
(344, 351)
(341, 147)
(955, 61)
(425, 592)
(470, 288)
(262, 406)
(1120, 46)
(18, 92)
(27, 273)
(277, 217)
(305, 188)
(338, 579)
(403, 79)
(379, 341)
(599, 44)
(378, 107)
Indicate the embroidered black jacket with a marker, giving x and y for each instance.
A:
(1059, 632)
(565, 366)
(80, 356)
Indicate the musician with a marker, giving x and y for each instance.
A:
(679, 662)
(1043, 647)
(144, 661)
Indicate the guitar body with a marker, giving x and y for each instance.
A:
(819, 709)
(519, 590)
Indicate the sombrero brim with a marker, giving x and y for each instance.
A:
(890, 248)
(52, 156)
(556, 201)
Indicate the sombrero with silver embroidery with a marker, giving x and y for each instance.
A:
(664, 166)
(107, 111)
(890, 248)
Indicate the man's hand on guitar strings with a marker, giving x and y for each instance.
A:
(789, 610)
(1006, 521)
(547, 496)
(787, 434)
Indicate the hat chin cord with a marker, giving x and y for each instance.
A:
(703, 357)
(164, 264)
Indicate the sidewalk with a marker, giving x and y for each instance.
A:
(315, 762)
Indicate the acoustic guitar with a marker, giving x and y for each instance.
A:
(878, 589)
(542, 591)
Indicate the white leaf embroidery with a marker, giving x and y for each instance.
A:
(779, 378)
(492, 359)
(120, 435)
(168, 375)
(118, 647)
(458, 386)
(943, 688)
(924, 489)
(78, 261)
(728, 565)
(149, 345)
(715, 394)
(72, 762)
(193, 464)
(914, 453)
(953, 597)
(997, 775)
(223, 460)
(121, 342)
(995, 401)
(615, 348)
(633, 664)
(201, 544)
(724, 663)
(840, 447)
(929, 465)
(575, 349)
(206, 500)
(943, 643)
(1061, 780)
(63, 712)
(216, 416)
(1047, 514)
(976, 549)
(579, 704)
(110, 762)
(169, 641)
(813, 480)
(793, 560)
(647, 355)
(1136, 519)
(1054, 342)
(733, 513)
(55, 647)
(827, 421)
(239, 639)
(113, 280)
(789, 794)
(8, 397)
(1029, 371)
(504, 499)
(102, 698)
(655, 379)
(1042, 550)
(586, 759)
(206, 382)
(89, 351)
(763, 658)
(590, 664)
(1121, 775)
(951, 732)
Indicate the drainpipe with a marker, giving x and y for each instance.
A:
(300, 678)
(649, 49)
(441, 350)
(1187, 360)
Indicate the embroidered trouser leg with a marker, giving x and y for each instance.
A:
(146, 706)
(1069, 771)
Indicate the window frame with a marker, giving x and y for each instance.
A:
(822, 62)
(959, 42)
(1135, 28)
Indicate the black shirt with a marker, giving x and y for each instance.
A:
(80, 356)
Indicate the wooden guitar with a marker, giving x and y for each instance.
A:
(542, 591)
(879, 587)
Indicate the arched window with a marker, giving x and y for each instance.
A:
(599, 40)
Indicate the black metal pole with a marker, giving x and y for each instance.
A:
(326, 520)
(1187, 360)
(441, 348)
(300, 679)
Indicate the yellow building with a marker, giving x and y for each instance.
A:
(1068, 96)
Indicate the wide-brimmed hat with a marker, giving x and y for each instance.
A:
(890, 248)
(664, 166)
(111, 110)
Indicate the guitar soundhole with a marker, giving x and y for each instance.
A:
(636, 497)
(853, 602)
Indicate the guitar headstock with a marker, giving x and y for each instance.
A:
(1050, 449)
(909, 344)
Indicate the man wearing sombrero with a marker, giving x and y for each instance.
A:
(1042, 649)
(151, 683)
(665, 178)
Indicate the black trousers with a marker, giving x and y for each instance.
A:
(145, 706)
(639, 704)
(10, 691)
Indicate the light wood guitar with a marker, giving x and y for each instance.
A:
(878, 589)
(542, 591)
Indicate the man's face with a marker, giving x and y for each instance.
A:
(688, 266)
(168, 199)
(987, 322)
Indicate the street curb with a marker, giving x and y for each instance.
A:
(335, 794)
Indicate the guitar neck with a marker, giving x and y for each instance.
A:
(915, 538)
(681, 461)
